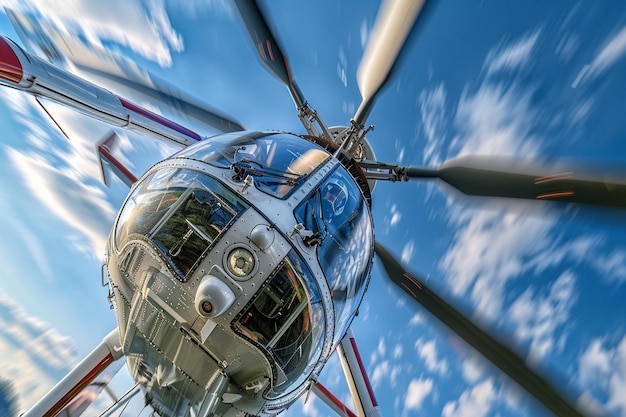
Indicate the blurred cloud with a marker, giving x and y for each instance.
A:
(602, 366)
(473, 367)
(83, 207)
(196, 8)
(396, 215)
(26, 332)
(142, 26)
(407, 251)
(614, 49)
(476, 401)
(427, 351)
(364, 32)
(496, 119)
(309, 406)
(594, 363)
(64, 179)
(432, 104)
(537, 317)
(381, 371)
(34, 355)
(612, 265)
(491, 248)
(416, 393)
(512, 56)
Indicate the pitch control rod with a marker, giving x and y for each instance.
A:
(491, 176)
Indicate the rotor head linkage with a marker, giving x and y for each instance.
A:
(375, 170)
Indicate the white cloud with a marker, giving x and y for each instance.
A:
(602, 366)
(427, 351)
(538, 317)
(364, 32)
(407, 251)
(34, 355)
(594, 364)
(81, 206)
(512, 56)
(432, 110)
(381, 371)
(417, 318)
(309, 406)
(490, 249)
(65, 179)
(472, 368)
(382, 348)
(613, 49)
(496, 244)
(417, 392)
(397, 351)
(396, 215)
(31, 382)
(617, 382)
(568, 46)
(612, 266)
(34, 335)
(195, 8)
(589, 405)
(474, 402)
(496, 120)
(400, 146)
(385, 369)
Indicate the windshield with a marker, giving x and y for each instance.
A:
(286, 319)
(182, 212)
(277, 162)
(339, 223)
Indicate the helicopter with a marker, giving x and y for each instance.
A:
(250, 173)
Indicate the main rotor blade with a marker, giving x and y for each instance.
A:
(113, 71)
(395, 20)
(501, 177)
(500, 355)
(267, 47)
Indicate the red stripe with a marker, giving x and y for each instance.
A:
(10, 65)
(335, 400)
(269, 49)
(370, 391)
(103, 150)
(78, 388)
(159, 119)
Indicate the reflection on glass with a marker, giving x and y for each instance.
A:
(338, 217)
(286, 319)
(181, 211)
(277, 162)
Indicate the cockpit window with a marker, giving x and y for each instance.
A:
(181, 211)
(338, 222)
(277, 162)
(286, 319)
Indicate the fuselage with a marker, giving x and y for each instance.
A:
(236, 267)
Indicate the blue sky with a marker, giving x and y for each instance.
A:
(481, 77)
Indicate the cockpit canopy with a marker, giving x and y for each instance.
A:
(182, 212)
(278, 162)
